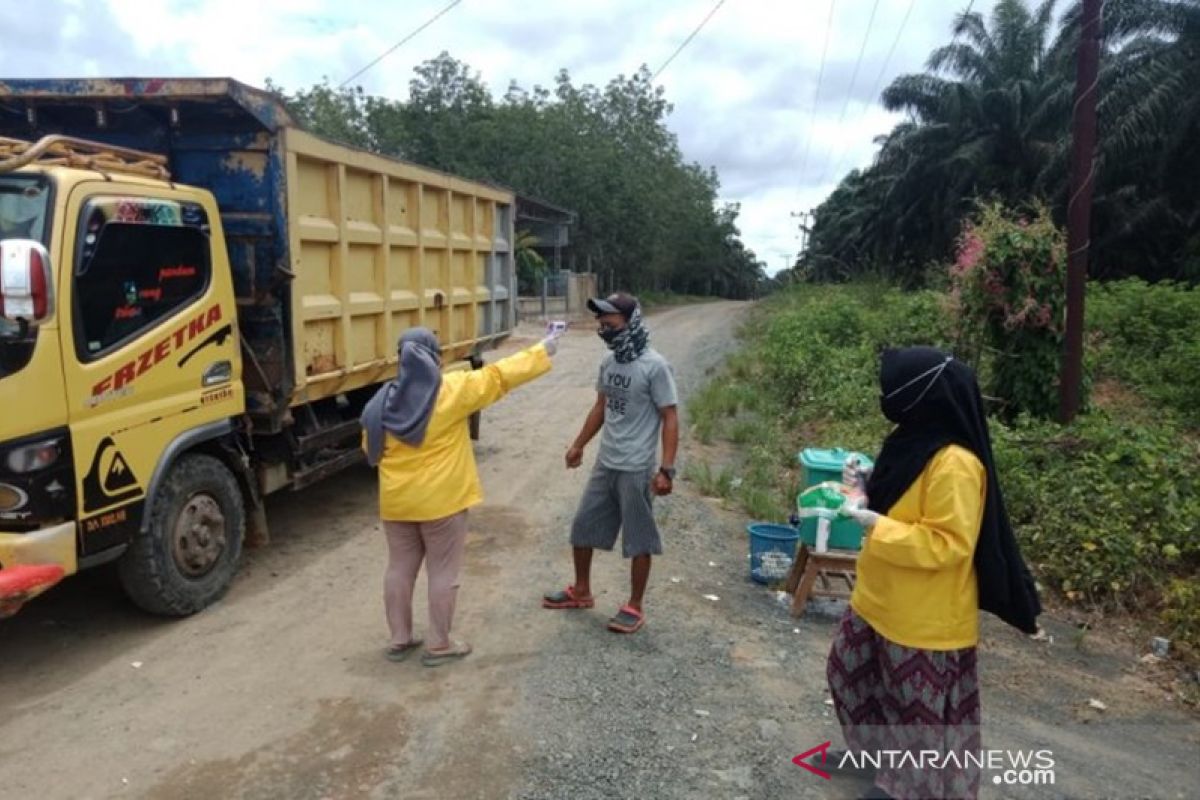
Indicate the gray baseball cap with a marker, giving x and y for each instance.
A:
(616, 303)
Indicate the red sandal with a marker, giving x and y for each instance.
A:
(627, 620)
(567, 599)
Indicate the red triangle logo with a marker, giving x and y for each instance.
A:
(823, 749)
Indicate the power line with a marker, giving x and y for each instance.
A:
(965, 14)
(883, 71)
(853, 78)
(812, 117)
(812, 120)
(887, 62)
(400, 43)
(688, 40)
(880, 78)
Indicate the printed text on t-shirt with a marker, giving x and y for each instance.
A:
(618, 393)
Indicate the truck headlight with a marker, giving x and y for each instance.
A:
(11, 498)
(33, 457)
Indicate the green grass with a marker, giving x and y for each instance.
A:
(710, 482)
(1148, 337)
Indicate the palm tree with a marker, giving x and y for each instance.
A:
(984, 120)
(1147, 203)
(531, 267)
(990, 118)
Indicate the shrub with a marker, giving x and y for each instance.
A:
(1105, 508)
(1008, 285)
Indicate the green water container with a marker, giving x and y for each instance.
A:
(825, 464)
(844, 534)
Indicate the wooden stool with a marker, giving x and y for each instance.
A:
(812, 567)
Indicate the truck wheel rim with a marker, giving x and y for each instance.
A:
(199, 536)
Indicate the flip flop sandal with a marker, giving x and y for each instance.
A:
(627, 620)
(567, 599)
(402, 651)
(458, 650)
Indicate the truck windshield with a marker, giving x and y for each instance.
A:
(24, 214)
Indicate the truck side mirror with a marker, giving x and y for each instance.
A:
(26, 286)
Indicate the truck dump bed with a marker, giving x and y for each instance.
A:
(334, 251)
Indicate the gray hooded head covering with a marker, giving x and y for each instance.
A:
(404, 406)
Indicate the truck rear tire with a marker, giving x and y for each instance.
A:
(188, 556)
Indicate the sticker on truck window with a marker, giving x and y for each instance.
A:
(126, 312)
(140, 211)
(171, 273)
(140, 261)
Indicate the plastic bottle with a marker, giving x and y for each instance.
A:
(854, 478)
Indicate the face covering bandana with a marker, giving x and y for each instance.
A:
(627, 344)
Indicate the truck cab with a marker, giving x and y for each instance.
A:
(129, 342)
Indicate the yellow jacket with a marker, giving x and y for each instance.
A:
(439, 478)
(916, 574)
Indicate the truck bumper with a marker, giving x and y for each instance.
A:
(30, 563)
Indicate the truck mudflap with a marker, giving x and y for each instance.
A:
(30, 563)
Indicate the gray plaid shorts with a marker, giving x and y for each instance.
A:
(617, 501)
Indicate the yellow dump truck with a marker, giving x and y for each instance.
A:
(196, 300)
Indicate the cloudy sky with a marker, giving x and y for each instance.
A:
(743, 90)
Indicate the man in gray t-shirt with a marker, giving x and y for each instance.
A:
(636, 401)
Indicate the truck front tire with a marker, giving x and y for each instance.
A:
(190, 552)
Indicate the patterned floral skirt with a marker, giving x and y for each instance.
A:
(914, 713)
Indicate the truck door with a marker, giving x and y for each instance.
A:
(149, 341)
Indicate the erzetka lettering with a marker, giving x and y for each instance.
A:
(159, 352)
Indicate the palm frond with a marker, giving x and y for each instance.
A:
(961, 60)
(920, 95)
(975, 30)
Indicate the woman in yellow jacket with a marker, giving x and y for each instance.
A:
(416, 431)
(938, 548)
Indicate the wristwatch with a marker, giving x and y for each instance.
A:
(668, 471)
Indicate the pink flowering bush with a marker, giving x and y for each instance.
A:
(1008, 292)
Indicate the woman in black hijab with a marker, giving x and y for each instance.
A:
(938, 548)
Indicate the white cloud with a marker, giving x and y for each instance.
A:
(742, 91)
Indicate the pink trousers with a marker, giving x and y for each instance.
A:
(440, 544)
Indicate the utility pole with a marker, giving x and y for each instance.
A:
(802, 228)
(1079, 208)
